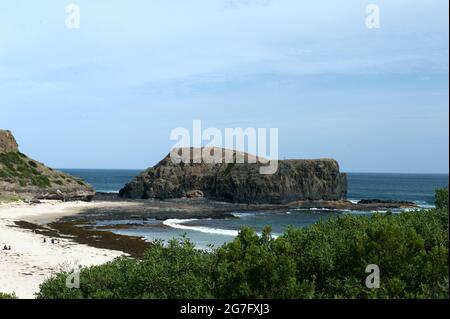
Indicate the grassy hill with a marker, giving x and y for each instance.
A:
(21, 176)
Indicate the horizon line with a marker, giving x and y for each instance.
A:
(346, 172)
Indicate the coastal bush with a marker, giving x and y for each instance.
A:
(442, 198)
(329, 259)
(174, 272)
(7, 296)
(257, 267)
(326, 260)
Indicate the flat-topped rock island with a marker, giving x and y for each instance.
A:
(235, 182)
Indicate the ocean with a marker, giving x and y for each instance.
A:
(418, 188)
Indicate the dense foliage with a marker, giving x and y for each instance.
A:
(326, 260)
(442, 198)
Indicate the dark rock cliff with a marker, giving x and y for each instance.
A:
(28, 179)
(241, 183)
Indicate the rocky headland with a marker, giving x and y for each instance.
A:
(24, 178)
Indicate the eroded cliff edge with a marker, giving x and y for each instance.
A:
(294, 180)
(25, 178)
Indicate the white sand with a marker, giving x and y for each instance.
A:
(30, 261)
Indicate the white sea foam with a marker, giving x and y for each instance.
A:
(178, 224)
(410, 209)
(424, 205)
(317, 209)
(247, 214)
(421, 205)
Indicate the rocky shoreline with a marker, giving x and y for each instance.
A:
(206, 208)
(79, 226)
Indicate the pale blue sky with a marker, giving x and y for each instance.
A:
(108, 94)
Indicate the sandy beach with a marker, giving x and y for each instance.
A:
(31, 261)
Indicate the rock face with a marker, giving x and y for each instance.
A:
(28, 179)
(241, 183)
(8, 142)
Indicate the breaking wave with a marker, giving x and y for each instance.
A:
(179, 224)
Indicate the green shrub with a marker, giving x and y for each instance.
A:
(257, 267)
(33, 164)
(10, 158)
(41, 181)
(442, 198)
(177, 272)
(7, 296)
(4, 173)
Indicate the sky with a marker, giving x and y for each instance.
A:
(109, 93)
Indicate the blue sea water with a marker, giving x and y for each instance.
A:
(104, 180)
(411, 187)
(418, 188)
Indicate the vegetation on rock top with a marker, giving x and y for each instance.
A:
(17, 166)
